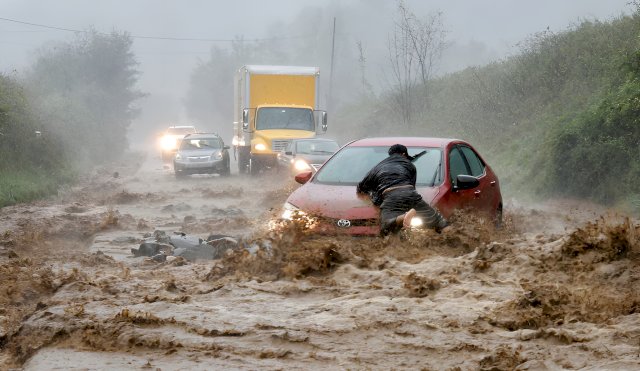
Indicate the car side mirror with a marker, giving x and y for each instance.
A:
(466, 182)
(288, 153)
(225, 147)
(245, 116)
(303, 177)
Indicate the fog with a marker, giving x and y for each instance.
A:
(171, 38)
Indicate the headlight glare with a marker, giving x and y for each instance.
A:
(168, 142)
(301, 165)
(288, 210)
(260, 147)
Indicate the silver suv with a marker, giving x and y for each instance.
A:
(201, 153)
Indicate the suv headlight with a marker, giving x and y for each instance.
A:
(217, 156)
(260, 147)
(178, 157)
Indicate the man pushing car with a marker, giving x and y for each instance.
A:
(391, 185)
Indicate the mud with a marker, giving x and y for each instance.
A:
(555, 288)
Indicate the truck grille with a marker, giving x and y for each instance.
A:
(278, 145)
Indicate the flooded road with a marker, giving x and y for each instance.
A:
(556, 288)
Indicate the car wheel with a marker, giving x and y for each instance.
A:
(498, 218)
(226, 171)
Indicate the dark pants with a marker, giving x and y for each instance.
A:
(401, 200)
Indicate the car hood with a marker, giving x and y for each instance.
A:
(341, 201)
(199, 152)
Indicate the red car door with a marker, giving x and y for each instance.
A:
(485, 193)
(455, 199)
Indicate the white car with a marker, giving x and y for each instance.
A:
(170, 140)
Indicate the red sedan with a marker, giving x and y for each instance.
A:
(450, 175)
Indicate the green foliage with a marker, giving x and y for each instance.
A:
(558, 118)
(83, 92)
(23, 185)
(31, 165)
(78, 97)
(597, 154)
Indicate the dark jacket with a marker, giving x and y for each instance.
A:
(393, 171)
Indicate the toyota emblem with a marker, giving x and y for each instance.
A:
(344, 223)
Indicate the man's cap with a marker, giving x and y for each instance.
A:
(399, 149)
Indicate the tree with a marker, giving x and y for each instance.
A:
(209, 100)
(415, 47)
(85, 92)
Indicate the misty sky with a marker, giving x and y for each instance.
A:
(478, 31)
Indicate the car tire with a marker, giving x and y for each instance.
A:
(226, 171)
(498, 220)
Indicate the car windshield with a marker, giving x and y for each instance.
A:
(181, 131)
(284, 118)
(350, 165)
(316, 147)
(201, 143)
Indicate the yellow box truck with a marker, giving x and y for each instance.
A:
(272, 105)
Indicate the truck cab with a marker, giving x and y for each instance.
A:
(274, 104)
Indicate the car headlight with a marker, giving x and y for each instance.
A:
(416, 222)
(260, 147)
(301, 165)
(168, 143)
(217, 156)
(288, 210)
(178, 156)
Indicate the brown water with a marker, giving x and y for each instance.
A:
(557, 288)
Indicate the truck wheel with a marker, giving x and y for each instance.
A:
(243, 163)
(254, 167)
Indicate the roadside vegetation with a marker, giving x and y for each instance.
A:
(559, 118)
(68, 112)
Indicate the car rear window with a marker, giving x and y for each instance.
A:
(350, 165)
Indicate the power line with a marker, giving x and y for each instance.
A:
(151, 37)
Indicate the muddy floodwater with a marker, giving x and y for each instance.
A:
(557, 288)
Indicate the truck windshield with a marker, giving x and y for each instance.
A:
(284, 118)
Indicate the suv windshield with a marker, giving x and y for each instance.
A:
(201, 143)
(309, 147)
(284, 118)
(351, 164)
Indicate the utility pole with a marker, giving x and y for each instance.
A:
(333, 44)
